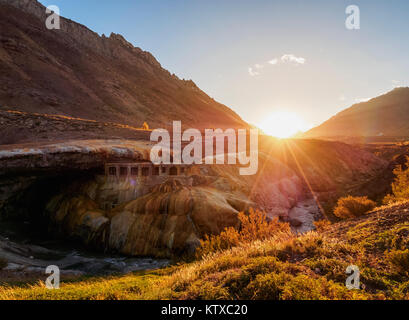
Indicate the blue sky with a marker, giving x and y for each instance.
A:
(318, 66)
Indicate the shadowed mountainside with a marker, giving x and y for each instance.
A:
(75, 72)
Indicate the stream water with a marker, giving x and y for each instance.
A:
(30, 251)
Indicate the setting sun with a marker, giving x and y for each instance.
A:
(283, 124)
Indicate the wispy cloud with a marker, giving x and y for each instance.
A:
(285, 59)
(253, 72)
(273, 61)
(290, 58)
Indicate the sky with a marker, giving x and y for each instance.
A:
(265, 57)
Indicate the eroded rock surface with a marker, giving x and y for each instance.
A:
(65, 184)
(167, 217)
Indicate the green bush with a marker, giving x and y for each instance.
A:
(350, 207)
(400, 187)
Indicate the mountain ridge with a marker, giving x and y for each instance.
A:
(75, 72)
(385, 115)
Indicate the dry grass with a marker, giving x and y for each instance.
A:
(399, 260)
(400, 187)
(253, 226)
(282, 266)
(349, 207)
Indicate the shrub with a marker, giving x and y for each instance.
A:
(399, 259)
(400, 187)
(3, 263)
(349, 207)
(254, 226)
(322, 225)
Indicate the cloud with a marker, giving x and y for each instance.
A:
(285, 59)
(253, 72)
(290, 58)
(273, 61)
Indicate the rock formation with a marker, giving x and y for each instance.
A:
(65, 185)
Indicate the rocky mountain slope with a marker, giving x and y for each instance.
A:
(386, 115)
(75, 72)
(18, 127)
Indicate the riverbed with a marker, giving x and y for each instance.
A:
(26, 252)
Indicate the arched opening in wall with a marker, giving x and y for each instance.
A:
(145, 172)
(134, 171)
(123, 171)
(163, 169)
(173, 171)
(112, 171)
(155, 171)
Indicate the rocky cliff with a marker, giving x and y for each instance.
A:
(75, 72)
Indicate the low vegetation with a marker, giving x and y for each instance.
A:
(399, 259)
(262, 259)
(272, 265)
(350, 207)
(253, 226)
(400, 187)
(322, 225)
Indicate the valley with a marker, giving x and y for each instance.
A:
(89, 184)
